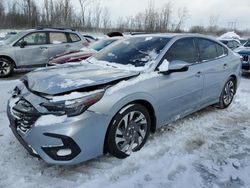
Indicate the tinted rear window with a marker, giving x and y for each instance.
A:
(220, 50)
(74, 37)
(208, 50)
(184, 50)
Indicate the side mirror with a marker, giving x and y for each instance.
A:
(173, 66)
(23, 44)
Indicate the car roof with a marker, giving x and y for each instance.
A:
(174, 35)
(52, 29)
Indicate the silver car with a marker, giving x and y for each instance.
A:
(113, 101)
(34, 48)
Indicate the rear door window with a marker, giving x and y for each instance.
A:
(184, 50)
(220, 50)
(57, 38)
(208, 50)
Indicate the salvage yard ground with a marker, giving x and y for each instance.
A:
(210, 148)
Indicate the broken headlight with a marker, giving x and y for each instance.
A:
(72, 107)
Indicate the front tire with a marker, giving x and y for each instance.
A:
(227, 94)
(6, 67)
(128, 131)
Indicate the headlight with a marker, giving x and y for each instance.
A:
(73, 107)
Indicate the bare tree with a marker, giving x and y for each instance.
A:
(106, 18)
(84, 4)
(165, 16)
(97, 11)
(213, 20)
(182, 17)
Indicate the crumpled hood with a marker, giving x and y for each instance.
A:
(67, 78)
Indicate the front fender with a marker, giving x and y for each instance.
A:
(112, 104)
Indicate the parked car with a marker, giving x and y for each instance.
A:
(84, 53)
(231, 43)
(112, 102)
(245, 54)
(243, 41)
(90, 38)
(33, 48)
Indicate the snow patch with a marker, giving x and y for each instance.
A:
(71, 83)
(126, 83)
(74, 95)
(148, 38)
(126, 42)
(50, 120)
(128, 67)
(230, 35)
(56, 42)
(164, 66)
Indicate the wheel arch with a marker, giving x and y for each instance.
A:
(9, 58)
(142, 102)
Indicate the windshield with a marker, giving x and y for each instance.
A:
(136, 51)
(247, 44)
(99, 45)
(13, 38)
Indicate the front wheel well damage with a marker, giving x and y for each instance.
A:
(151, 111)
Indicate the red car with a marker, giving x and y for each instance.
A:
(84, 53)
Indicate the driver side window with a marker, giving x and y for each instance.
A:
(183, 50)
(34, 39)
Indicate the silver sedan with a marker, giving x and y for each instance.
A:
(113, 101)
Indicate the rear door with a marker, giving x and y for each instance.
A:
(35, 53)
(180, 92)
(76, 42)
(213, 58)
(58, 43)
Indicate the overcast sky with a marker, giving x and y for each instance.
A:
(199, 10)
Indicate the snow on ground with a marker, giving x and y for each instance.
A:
(210, 148)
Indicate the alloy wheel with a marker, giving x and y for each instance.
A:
(5, 68)
(229, 92)
(131, 132)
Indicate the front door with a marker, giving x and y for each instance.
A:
(35, 52)
(180, 92)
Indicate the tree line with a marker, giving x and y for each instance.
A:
(89, 15)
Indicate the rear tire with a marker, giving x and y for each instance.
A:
(6, 67)
(227, 94)
(128, 131)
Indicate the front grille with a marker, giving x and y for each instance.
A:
(25, 115)
(246, 58)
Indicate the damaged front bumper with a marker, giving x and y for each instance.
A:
(68, 142)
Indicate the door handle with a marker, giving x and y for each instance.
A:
(68, 45)
(225, 66)
(43, 48)
(198, 74)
